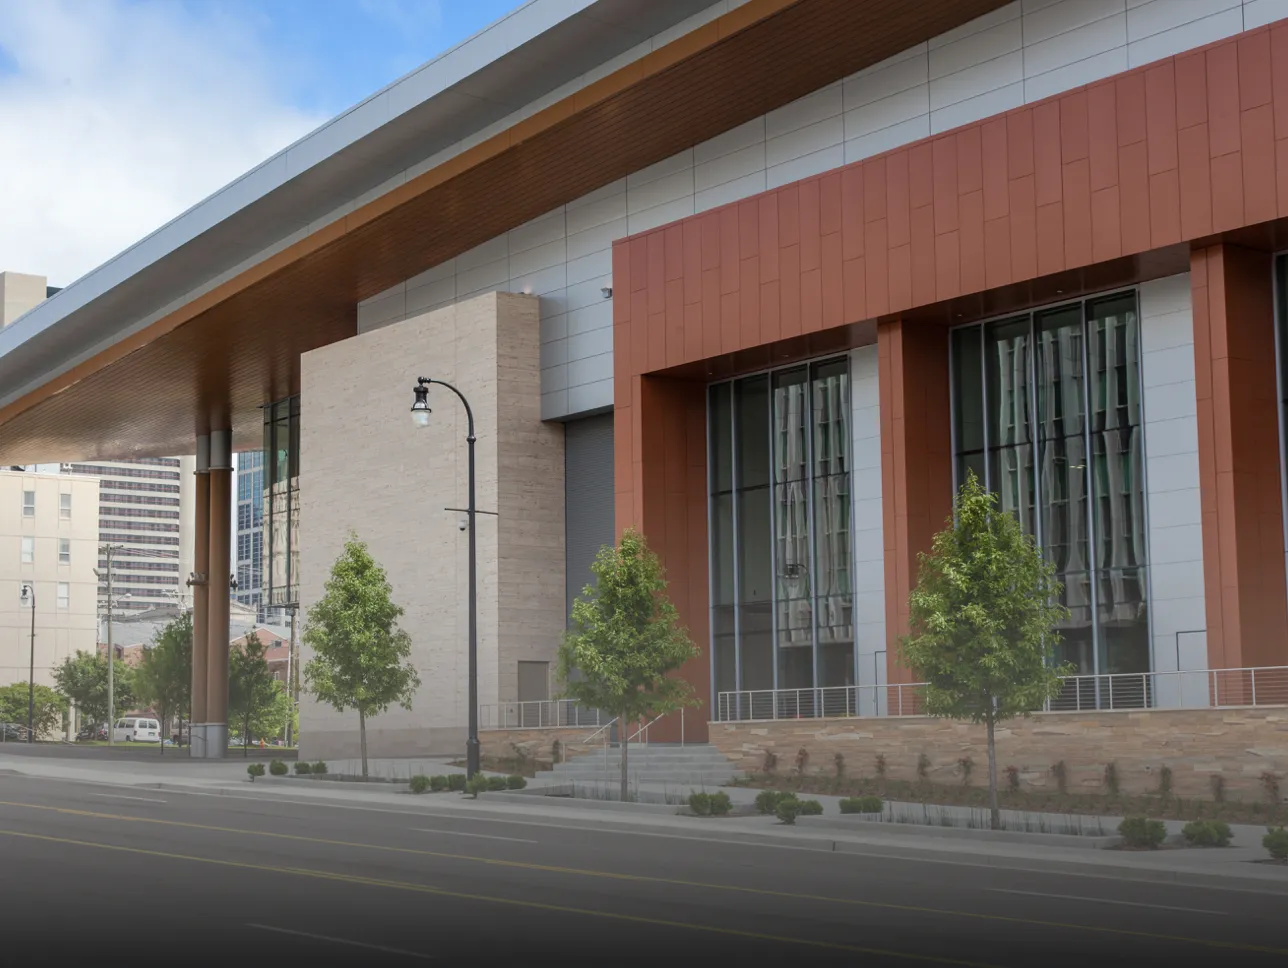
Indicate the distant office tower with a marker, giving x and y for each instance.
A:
(250, 535)
(141, 511)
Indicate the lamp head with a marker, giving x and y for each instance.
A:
(420, 408)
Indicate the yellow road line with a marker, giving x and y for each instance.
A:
(677, 882)
(537, 905)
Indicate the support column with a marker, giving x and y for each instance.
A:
(221, 465)
(916, 466)
(1239, 473)
(200, 599)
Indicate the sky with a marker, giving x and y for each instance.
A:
(118, 115)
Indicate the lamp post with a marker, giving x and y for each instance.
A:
(29, 591)
(420, 415)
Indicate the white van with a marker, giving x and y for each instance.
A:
(133, 730)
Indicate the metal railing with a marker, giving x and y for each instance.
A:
(1209, 688)
(544, 714)
(13, 733)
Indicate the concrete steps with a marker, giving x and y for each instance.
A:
(689, 765)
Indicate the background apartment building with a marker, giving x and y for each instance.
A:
(48, 537)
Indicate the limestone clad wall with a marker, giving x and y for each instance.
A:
(364, 467)
(1239, 744)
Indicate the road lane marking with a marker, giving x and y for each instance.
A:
(462, 833)
(644, 878)
(1106, 900)
(119, 796)
(511, 902)
(356, 944)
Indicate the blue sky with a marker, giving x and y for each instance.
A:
(121, 114)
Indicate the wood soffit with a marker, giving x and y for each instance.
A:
(217, 360)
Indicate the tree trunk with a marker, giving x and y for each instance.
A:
(362, 738)
(163, 734)
(625, 742)
(246, 735)
(995, 815)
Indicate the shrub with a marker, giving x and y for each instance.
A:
(255, 769)
(720, 804)
(1013, 779)
(1207, 833)
(1217, 782)
(767, 800)
(802, 759)
(319, 767)
(1061, 775)
(862, 805)
(456, 782)
(1111, 779)
(700, 804)
(923, 766)
(438, 783)
(303, 769)
(787, 810)
(1276, 842)
(966, 764)
(515, 782)
(555, 749)
(1164, 780)
(1141, 832)
(839, 760)
(881, 765)
(277, 768)
(811, 808)
(420, 783)
(497, 783)
(1270, 783)
(771, 761)
(477, 784)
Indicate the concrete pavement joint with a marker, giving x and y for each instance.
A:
(640, 878)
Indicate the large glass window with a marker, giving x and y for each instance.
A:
(1047, 413)
(781, 556)
(282, 501)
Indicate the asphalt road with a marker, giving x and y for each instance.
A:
(102, 875)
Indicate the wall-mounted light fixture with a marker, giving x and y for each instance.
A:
(607, 291)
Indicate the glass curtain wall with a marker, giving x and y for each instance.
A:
(282, 502)
(781, 543)
(1047, 414)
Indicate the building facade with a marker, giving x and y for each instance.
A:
(48, 531)
(250, 536)
(882, 247)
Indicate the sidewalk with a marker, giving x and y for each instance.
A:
(1230, 867)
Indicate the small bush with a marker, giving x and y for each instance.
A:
(1061, 775)
(277, 768)
(802, 760)
(319, 767)
(438, 783)
(1111, 779)
(420, 783)
(497, 783)
(1207, 833)
(477, 784)
(1276, 842)
(720, 804)
(555, 749)
(923, 767)
(1217, 782)
(966, 764)
(255, 769)
(1270, 783)
(515, 782)
(456, 782)
(303, 769)
(862, 805)
(1164, 780)
(1013, 779)
(767, 800)
(771, 761)
(1141, 832)
(700, 804)
(787, 810)
(811, 808)
(839, 760)
(881, 765)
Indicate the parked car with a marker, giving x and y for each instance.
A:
(136, 730)
(92, 732)
(12, 732)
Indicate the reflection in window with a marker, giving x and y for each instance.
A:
(282, 501)
(1047, 412)
(781, 555)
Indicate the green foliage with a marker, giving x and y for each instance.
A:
(251, 687)
(788, 809)
(82, 679)
(811, 808)
(255, 769)
(767, 800)
(48, 711)
(438, 783)
(498, 783)
(721, 805)
(700, 804)
(277, 768)
(1164, 780)
(1142, 832)
(625, 639)
(515, 782)
(1276, 842)
(456, 782)
(303, 768)
(862, 805)
(420, 783)
(476, 785)
(1207, 833)
(163, 679)
(1112, 783)
(319, 767)
(360, 655)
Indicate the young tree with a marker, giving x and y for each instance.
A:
(983, 619)
(82, 678)
(270, 718)
(359, 652)
(251, 687)
(48, 707)
(625, 640)
(164, 678)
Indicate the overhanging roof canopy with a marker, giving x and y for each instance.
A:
(125, 362)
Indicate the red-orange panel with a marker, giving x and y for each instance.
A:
(1019, 143)
(1160, 117)
(948, 267)
(1050, 220)
(1106, 231)
(1024, 229)
(1165, 208)
(656, 272)
(921, 174)
(1191, 89)
(710, 223)
(748, 228)
(673, 243)
(1196, 181)
(657, 341)
(945, 184)
(693, 331)
(1255, 86)
(900, 278)
(854, 290)
(923, 255)
(622, 282)
(810, 228)
(852, 211)
(789, 216)
(1281, 174)
(1130, 91)
(749, 303)
(970, 172)
(639, 264)
(789, 260)
(1046, 152)
(771, 310)
(997, 252)
(1223, 98)
(832, 281)
(1133, 194)
(1077, 212)
(1259, 188)
(692, 242)
(829, 201)
(874, 189)
(639, 331)
(896, 205)
(1074, 127)
(877, 267)
(972, 242)
(729, 246)
(811, 300)
(730, 324)
(711, 312)
(1279, 77)
(996, 193)
(1227, 192)
(1102, 135)
(768, 213)
(675, 322)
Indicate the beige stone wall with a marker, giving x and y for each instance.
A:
(365, 467)
(536, 744)
(1239, 744)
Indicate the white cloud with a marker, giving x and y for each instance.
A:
(118, 116)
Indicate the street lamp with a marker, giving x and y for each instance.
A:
(29, 591)
(420, 415)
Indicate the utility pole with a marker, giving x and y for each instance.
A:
(111, 656)
(290, 676)
(31, 671)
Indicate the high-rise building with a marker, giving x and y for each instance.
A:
(250, 535)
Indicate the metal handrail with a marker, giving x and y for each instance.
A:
(536, 714)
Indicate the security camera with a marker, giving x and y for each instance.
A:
(463, 524)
